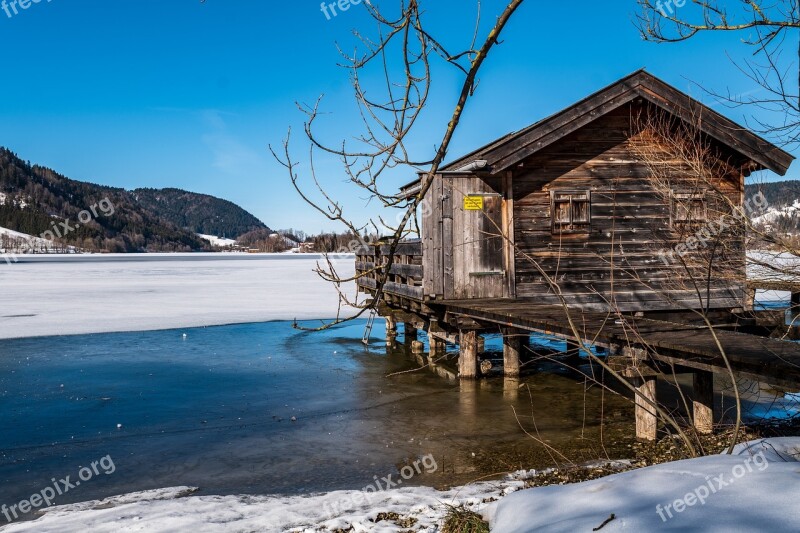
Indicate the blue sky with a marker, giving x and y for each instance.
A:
(179, 93)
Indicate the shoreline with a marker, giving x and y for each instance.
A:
(514, 503)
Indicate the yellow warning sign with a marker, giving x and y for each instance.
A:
(473, 203)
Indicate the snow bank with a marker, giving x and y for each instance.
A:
(165, 510)
(76, 294)
(756, 489)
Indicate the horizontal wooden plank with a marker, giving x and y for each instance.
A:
(410, 271)
(769, 360)
(407, 291)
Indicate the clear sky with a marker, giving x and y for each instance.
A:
(179, 93)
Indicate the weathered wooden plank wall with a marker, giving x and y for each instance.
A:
(617, 260)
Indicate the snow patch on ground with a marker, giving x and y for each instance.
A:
(773, 266)
(12, 233)
(23, 244)
(217, 241)
(760, 492)
(772, 214)
(156, 511)
(756, 489)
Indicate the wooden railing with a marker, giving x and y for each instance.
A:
(405, 276)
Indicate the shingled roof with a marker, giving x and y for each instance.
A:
(506, 152)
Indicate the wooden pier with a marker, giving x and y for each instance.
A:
(639, 347)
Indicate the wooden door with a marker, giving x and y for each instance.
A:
(478, 252)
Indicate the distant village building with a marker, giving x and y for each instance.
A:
(305, 248)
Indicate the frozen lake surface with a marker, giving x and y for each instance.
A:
(214, 410)
(65, 295)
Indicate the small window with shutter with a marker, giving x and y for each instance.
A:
(571, 211)
(689, 209)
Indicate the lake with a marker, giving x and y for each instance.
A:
(214, 410)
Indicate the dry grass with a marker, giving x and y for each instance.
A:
(462, 520)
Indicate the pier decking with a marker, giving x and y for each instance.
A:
(690, 346)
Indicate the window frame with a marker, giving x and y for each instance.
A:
(678, 200)
(575, 196)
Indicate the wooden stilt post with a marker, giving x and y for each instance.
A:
(468, 355)
(511, 349)
(643, 378)
(573, 347)
(391, 330)
(573, 352)
(750, 299)
(646, 419)
(409, 332)
(481, 344)
(511, 389)
(437, 346)
(703, 402)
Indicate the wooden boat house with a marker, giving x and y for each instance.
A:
(581, 214)
(570, 198)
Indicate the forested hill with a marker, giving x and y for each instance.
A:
(199, 213)
(35, 199)
(779, 193)
(783, 205)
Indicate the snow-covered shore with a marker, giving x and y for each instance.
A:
(77, 294)
(756, 489)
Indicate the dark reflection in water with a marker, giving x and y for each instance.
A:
(214, 410)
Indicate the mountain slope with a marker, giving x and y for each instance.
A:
(783, 200)
(36, 200)
(199, 213)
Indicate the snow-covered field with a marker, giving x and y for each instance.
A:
(74, 294)
(756, 489)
